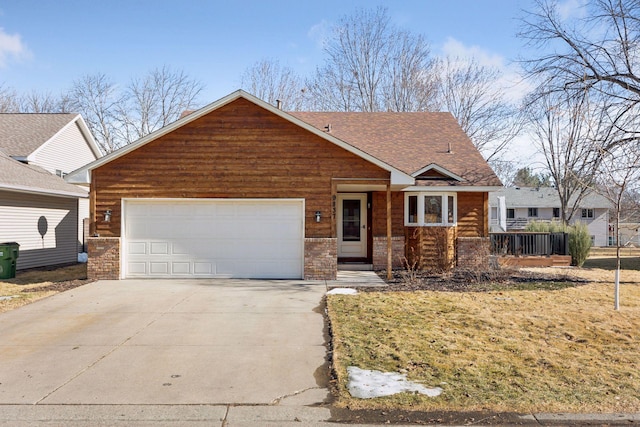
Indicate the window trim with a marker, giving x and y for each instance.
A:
(444, 200)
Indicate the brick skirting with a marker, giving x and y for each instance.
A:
(320, 258)
(104, 258)
(380, 252)
(473, 253)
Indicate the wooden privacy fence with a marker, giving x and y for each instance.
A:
(532, 243)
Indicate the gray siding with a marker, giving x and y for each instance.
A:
(67, 151)
(46, 228)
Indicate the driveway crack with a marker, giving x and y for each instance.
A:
(279, 399)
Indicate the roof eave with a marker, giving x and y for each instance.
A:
(43, 191)
(455, 188)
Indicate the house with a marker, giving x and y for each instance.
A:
(38, 209)
(513, 208)
(243, 189)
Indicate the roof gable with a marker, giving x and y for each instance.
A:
(83, 175)
(434, 171)
(24, 134)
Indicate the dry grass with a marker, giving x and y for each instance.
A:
(34, 284)
(541, 350)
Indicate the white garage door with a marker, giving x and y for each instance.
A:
(214, 238)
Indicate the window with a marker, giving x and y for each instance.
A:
(450, 210)
(587, 213)
(511, 213)
(60, 173)
(556, 212)
(433, 209)
(430, 209)
(412, 210)
(532, 212)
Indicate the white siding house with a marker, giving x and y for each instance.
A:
(525, 204)
(38, 209)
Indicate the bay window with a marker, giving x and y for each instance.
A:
(430, 209)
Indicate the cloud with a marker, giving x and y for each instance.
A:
(319, 33)
(572, 9)
(511, 80)
(11, 46)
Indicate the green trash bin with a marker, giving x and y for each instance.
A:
(8, 258)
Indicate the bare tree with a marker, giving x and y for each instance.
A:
(117, 118)
(97, 98)
(373, 66)
(565, 129)
(156, 100)
(619, 175)
(43, 102)
(9, 101)
(471, 93)
(271, 82)
(594, 53)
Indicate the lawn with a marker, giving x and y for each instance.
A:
(34, 284)
(508, 350)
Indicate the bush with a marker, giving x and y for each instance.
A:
(579, 243)
(546, 227)
(579, 237)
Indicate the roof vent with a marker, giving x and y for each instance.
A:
(328, 128)
(278, 104)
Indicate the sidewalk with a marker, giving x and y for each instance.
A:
(267, 415)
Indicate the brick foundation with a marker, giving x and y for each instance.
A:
(320, 258)
(473, 253)
(380, 252)
(104, 258)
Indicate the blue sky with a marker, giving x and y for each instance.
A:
(46, 44)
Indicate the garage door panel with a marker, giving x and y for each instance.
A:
(214, 238)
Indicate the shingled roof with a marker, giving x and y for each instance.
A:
(408, 141)
(17, 176)
(22, 134)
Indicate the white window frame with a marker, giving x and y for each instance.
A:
(445, 209)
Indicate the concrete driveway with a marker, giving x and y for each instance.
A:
(149, 342)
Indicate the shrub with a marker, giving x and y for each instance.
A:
(546, 227)
(579, 243)
(579, 237)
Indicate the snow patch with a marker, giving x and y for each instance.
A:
(342, 291)
(366, 384)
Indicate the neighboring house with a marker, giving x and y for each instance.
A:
(242, 189)
(629, 234)
(38, 209)
(513, 208)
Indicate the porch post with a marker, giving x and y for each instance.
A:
(389, 254)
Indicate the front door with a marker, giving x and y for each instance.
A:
(352, 225)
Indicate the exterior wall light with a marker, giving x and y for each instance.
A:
(318, 216)
(107, 215)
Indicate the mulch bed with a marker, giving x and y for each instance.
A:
(460, 280)
(59, 286)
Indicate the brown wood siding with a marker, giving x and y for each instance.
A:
(237, 151)
(379, 207)
(473, 214)
(431, 248)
